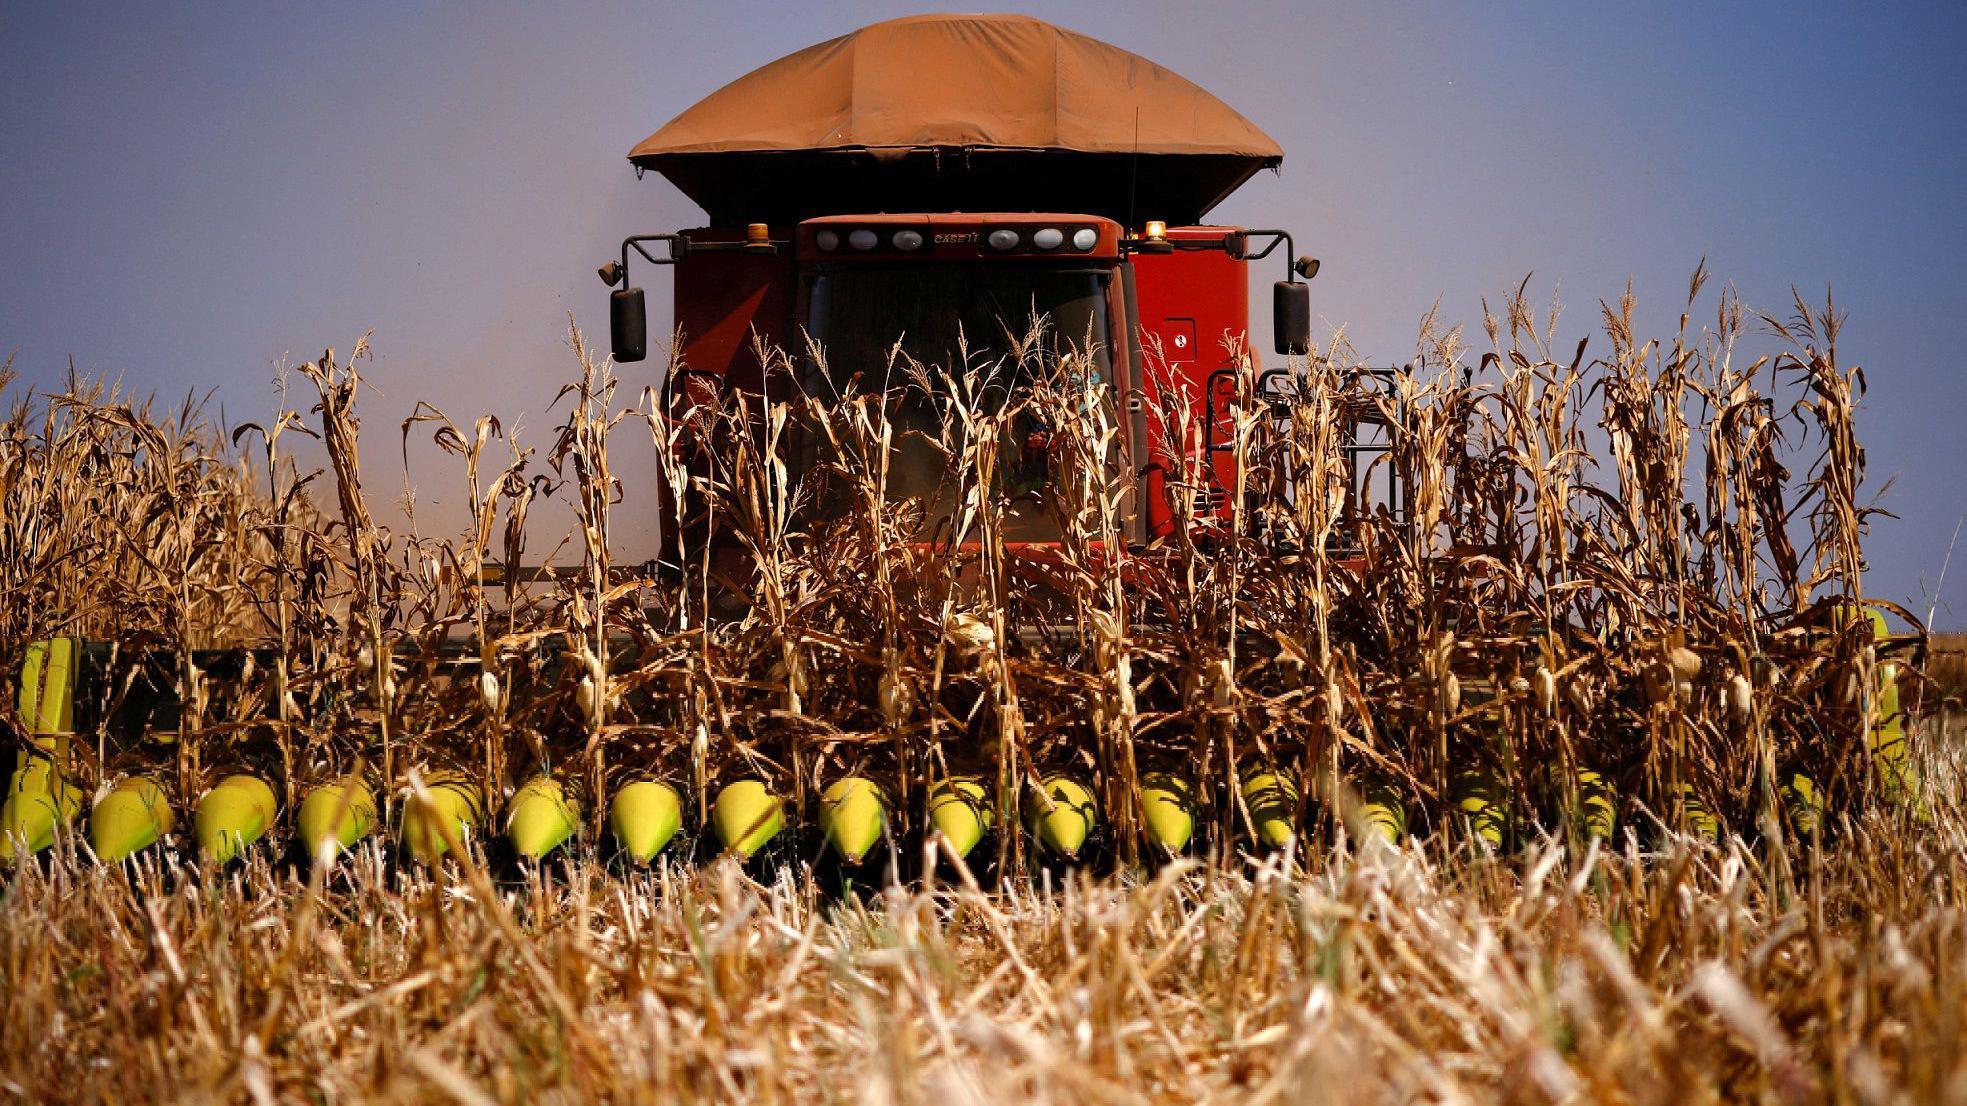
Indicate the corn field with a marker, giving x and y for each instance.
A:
(1583, 767)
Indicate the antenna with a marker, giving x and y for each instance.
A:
(1134, 172)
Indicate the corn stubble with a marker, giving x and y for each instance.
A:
(1572, 779)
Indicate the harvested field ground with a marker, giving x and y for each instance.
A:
(1697, 973)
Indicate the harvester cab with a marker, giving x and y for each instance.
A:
(866, 216)
(864, 296)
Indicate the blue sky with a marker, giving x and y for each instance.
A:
(194, 193)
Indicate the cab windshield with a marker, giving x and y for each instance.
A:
(968, 322)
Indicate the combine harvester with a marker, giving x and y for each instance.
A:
(911, 182)
(947, 179)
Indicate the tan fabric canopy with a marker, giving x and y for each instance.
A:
(937, 85)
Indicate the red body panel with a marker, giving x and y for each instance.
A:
(1195, 323)
(722, 299)
(728, 305)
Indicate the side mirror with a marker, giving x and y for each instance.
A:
(1290, 317)
(628, 324)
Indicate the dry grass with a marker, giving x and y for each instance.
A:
(1640, 568)
(1946, 664)
(1694, 974)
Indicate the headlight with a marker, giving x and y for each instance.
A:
(863, 239)
(1085, 238)
(1003, 238)
(827, 240)
(1051, 238)
(908, 240)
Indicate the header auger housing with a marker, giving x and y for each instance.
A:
(852, 830)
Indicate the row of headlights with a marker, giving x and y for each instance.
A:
(1002, 239)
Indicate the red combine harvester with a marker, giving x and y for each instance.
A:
(948, 174)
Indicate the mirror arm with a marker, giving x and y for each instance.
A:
(1277, 237)
(679, 248)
